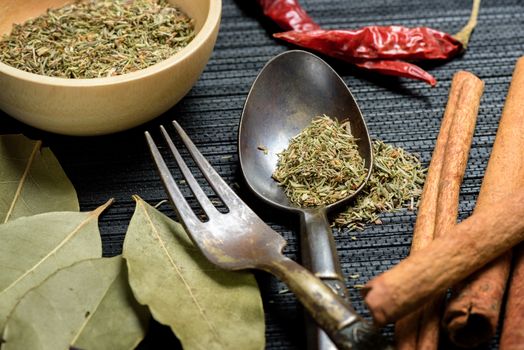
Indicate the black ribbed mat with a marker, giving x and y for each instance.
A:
(399, 111)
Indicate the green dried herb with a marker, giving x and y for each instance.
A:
(396, 182)
(33, 247)
(86, 305)
(33, 181)
(321, 164)
(205, 306)
(96, 39)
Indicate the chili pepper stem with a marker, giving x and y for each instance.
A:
(465, 33)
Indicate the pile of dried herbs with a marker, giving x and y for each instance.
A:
(396, 182)
(321, 166)
(96, 39)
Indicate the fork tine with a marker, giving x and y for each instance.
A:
(182, 208)
(202, 198)
(221, 188)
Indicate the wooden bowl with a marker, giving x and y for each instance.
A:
(104, 105)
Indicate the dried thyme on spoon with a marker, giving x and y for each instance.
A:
(93, 39)
(321, 165)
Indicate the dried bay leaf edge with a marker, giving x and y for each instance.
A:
(34, 247)
(31, 180)
(206, 307)
(87, 305)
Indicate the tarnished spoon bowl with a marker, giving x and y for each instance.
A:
(292, 89)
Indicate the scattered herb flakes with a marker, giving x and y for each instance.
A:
(263, 149)
(321, 165)
(159, 204)
(396, 181)
(96, 39)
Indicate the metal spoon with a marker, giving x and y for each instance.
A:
(292, 89)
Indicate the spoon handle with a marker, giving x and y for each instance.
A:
(319, 255)
(332, 313)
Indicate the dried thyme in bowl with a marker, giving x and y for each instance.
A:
(321, 165)
(96, 39)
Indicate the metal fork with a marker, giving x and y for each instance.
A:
(239, 239)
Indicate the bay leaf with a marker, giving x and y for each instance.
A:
(31, 180)
(88, 305)
(33, 247)
(206, 307)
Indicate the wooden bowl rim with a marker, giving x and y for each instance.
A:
(212, 21)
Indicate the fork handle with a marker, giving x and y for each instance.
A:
(333, 314)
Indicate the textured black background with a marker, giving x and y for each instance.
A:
(399, 111)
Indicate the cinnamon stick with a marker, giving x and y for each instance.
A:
(468, 246)
(512, 337)
(472, 315)
(407, 329)
(452, 174)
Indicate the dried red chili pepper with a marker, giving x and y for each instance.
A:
(374, 42)
(378, 48)
(398, 68)
(288, 14)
